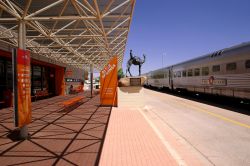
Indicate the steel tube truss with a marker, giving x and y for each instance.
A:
(72, 32)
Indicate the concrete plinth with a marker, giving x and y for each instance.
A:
(131, 81)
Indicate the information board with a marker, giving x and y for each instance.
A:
(22, 87)
(108, 81)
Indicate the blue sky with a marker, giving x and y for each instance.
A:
(178, 30)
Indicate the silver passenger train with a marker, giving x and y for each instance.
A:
(225, 72)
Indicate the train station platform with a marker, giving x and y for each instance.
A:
(92, 135)
(57, 136)
(130, 140)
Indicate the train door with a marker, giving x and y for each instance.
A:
(170, 78)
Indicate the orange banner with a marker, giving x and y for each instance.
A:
(23, 104)
(108, 80)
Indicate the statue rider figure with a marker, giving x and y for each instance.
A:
(131, 54)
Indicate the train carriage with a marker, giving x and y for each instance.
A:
(225, 72)
(158, 78)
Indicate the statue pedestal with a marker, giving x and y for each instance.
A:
(131, 81)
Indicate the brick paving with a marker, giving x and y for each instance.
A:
(58, 137)
(76, 136)
(130, 140)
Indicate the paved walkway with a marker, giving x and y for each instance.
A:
(87, 135)
(130, 140)
(57, 137)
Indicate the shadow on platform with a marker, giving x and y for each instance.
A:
(65, 138)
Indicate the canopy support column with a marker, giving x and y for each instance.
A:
(91, 80)
(22, 45)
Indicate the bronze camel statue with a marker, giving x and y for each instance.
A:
(135, 60)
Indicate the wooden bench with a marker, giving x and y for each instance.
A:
(78, 89)
(72, 101)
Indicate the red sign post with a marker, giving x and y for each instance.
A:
(22, 87)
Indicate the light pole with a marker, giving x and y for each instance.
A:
(164, 54)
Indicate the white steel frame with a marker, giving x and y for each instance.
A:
(93, 45)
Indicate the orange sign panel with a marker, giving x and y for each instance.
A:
(108, 80)
(23, 88)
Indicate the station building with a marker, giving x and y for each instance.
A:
(66, 39)
(46, 76)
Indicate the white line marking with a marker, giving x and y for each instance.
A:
(169, 148)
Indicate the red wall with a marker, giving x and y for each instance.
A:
(59, 72)
(5, 54)
(60, 81)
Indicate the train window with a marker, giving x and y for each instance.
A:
(196, 72)
(205, 71)
(159, 76)
(231, 66)
(190, 72)
(166, 75)
(178, 73)
(216, 68)
(184, 73)
(174, 74)
(247, 64)
(153, 76)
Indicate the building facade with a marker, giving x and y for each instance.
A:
(47, 76)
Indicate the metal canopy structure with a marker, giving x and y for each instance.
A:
(74, 32)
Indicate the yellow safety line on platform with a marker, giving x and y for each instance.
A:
(215, 115)
(218, 116)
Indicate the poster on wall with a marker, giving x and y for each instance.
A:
(22, 87)
(108, 80)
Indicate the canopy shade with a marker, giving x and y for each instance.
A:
(74, 32)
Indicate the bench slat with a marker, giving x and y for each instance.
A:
(72, 101)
